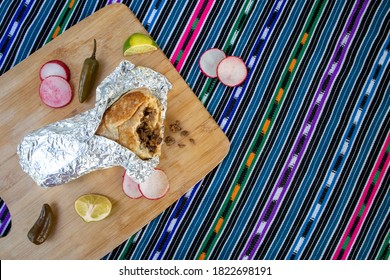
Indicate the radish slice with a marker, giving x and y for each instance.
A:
(130, 188)
(155, 186)
(209, 61)
(55, 92)
(54, 68)
(232, 71)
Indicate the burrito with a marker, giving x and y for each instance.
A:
(135, 122)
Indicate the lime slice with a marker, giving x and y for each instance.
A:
(138, 43)
(93, 207)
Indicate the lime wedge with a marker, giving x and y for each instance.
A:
(93, 207)
(138, 43)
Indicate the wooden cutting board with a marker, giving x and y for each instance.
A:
(22, 112)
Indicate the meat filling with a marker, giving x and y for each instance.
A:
(149, 136)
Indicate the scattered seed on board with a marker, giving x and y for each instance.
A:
(175, 127)
(184, 133)
(170, 140)
(181, 145)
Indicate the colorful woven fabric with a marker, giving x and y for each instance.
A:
(307, 175)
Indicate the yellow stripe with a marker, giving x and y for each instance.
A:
(280, 94)
(202, 256)
(219, 224)
(235, 191)
(266, 126)
(250, 159)
(292, 65)
(304, 38)
(55, 34)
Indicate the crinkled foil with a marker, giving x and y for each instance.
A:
(67, 149)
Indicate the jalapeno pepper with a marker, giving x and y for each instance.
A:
(88, 75)
(42, 227)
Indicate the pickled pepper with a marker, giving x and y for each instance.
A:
(42, 227)
(88, 75)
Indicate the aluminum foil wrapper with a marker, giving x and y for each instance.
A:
(65, 150)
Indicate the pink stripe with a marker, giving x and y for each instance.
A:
(364, 214)
(187, 31)
(194, 35)
(179, 46)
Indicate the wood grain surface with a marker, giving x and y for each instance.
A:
(22, 112)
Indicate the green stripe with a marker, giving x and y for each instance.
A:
(210, 84)
(247, 8)
(258, 133)
(126, 249)
(68, 16)
(195, 24)
(63, 13)
(180, 54)
(384, 252)
(361, 210)
(204, 95)
(346, 242)
(377, 174)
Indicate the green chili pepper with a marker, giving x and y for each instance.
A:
(88, 75)
(42, 227)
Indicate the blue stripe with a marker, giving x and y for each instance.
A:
(154, 19)
(177, 206)
(359, 163)
(5, 35)
(327, 139)
(135, 6)
(89, 8)
(236, 142)
(211, 39)
(358, 167)
(4, 6)
(379, 220)
(248, 79)
(31, 35)
(311, 173)
(350, 184)
(171, 21)
(26, 11)
(151, 9)
(262, 84)
(146, 237)
(239, 49)
(288, 121)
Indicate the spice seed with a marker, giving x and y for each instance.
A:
(175, 126)
(170, 140)
(184, 133)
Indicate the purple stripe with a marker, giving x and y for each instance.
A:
(3, 208)
(5, 224)
(310, 131)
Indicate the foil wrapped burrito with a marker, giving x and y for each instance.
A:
(65, 150)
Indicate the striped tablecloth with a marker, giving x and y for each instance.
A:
(307, 175)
